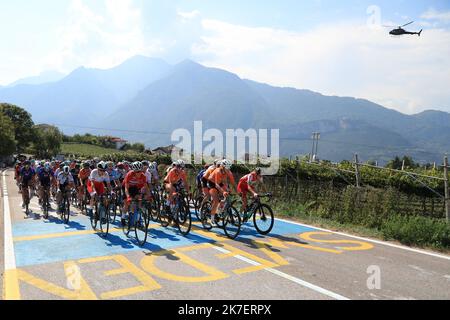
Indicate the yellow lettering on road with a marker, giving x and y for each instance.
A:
(147, 282)
(83, 293)
(238, 252)
(360, 246)
(212, 274)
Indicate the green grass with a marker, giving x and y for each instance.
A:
(415, 231)
(87, 150)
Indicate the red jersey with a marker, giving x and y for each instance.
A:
(135, 179)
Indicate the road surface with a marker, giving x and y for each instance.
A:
(46, 259)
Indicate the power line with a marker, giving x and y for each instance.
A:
(145, 132)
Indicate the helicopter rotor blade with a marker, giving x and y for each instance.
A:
(389, 26)
(408, 24)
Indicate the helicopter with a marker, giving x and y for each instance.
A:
(400, 31)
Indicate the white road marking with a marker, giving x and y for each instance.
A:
(288, 277)
(371, 240)
(10, 258)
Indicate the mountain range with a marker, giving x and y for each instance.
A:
(145, 99)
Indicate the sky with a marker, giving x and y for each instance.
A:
(334, 47)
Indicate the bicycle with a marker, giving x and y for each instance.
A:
(46, 201)
(116, 204)
(64, 208)
(139, 221)
(228, 217)
(26, 198)
(261, 213)
(155, 206)
(102, 215)
(179, 212)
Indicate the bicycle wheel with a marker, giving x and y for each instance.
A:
(94, 217)
(205, 215)
(66, 211)
(198, 202)
(232, 223)
(184, 219)
(263, 219)
(45, 205)
(126, 228)
(141, 226)
(104, 217)
(164, 216)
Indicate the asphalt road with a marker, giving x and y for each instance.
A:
(46, 259)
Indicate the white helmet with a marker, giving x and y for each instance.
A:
(180, 163)
(152, 166)
(137, 166)
(227, 164)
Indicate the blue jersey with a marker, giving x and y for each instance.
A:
(200, 176)
(114, 175)
(27, 175)
(45, 176)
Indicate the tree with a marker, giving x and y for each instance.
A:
(47, 143)
(7, 139)
(22, 123)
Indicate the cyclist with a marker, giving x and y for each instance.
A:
(65, 184)
(45, 178)
(206, 184)
(247, 184)
(83, 176)
(175, 180)
(96, 186)
(75, 172)
(26, 177)
(134, 183)
(153, 168)
(220, 181)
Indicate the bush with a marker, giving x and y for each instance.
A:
(419, 231)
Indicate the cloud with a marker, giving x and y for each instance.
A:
(432, 14)
(99, 40)
(407, 73)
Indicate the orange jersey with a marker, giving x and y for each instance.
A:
(174, 176)
(208, 173)
(222, 178)
(84, 174)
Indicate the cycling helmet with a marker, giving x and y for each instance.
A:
(27, 163)
(227, 164)
(42, 163)
(110, 164)
(47, 166)
(66, 169)
(155, 164)
(180, 164)
(137, 166)
(145, 163)
(120, 165)
(152, 167)
(217, 162)
(86, 164)
(101, 166)
(258, 171)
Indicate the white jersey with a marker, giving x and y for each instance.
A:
(148, 175)
(96, 177)
(154, 174)
(63, 179)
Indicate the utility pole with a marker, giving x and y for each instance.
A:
(447, 194)
(315, 147)
(357, 174)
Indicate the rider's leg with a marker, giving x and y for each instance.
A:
(215, 202)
